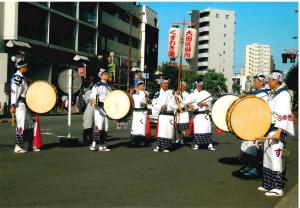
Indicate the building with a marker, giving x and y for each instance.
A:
(215, 48)
(99, 34)
(258, 59)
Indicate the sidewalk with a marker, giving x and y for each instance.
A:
(290, 200)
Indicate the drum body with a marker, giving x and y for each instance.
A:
(249, 117)
(118, 104)
(41, 96)
(219, 111)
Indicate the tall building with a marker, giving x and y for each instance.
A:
(258, 59)
(97, 32)
(215, 48)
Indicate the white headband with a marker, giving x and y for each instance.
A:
(261, 77)
(277, 76)
(101, 71)
(20, 66)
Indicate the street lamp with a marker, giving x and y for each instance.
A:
(131, 15)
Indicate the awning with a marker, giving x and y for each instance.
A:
(12, 43)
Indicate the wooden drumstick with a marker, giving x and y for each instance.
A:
(264, 138)
(12, 119)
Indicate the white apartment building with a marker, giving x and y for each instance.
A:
(258, 59)
(215, 48)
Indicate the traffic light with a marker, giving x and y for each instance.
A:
(284, 58)
(292, 57)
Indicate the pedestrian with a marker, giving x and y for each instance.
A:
(19, 108)
(249, 149)
(88, 115)
(282, 124)
(99, 92)
(182, 114)
(64, 103)
(200, 104)
(140, 115)
(164, 106)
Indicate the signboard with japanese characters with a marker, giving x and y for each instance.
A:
(189, 43)
(173, 44)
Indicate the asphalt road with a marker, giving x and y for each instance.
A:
(73, 176)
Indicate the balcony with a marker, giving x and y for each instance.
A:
(122, 26)
(200, 55)
(204, 63)
(204, 29)
(203, 46)
(205, 37)
(204, 19)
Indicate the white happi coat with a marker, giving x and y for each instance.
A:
(102, 90)
(139, 117)
(166, 124)
(202, 123)
(18, 90)
(282, 118)
(183, 100)
(251, 147)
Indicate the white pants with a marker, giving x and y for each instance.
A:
(23, 121)
(100, 119)
(139, 119)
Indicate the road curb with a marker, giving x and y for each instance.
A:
(290, 199)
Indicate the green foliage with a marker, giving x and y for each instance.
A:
(212, 80)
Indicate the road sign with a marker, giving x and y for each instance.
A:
(145, 75)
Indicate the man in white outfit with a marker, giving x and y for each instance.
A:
(99, 92)
(249, 149)
(282, 124)
(139, 117)
(18, 106)
(164, 106)
(200, 104)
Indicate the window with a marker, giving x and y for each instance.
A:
(223, 52)
(224, 43)
(224, 35)
(217, 15)
(224, 25)
(227, 16)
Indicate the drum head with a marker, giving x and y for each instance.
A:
(40, 97)
(118, 104)
(219, 110)
(250, 117)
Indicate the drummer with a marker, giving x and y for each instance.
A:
(140, 115)
(282, 124)
(200, 103)
(249, 149)
(182, 115)
(164, 106)
(99, 92)
(18, 106)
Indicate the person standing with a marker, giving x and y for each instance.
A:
(99, 92)
(200, 104)
(182, 115)
(19, 108)
(249, 149)
(140, 115)
(282, 124)
(88, 115)
(164, 106)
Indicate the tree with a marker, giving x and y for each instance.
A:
(292, 83)
(214, 81)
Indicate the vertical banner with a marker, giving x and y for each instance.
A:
(189, 43)
(174, 42)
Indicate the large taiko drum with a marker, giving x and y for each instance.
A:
(118, 104)
(41, 96)
(219, 111)
(249, 117)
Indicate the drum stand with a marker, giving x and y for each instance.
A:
(69, 140)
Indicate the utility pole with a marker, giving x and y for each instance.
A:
(183, 24)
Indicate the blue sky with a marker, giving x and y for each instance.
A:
(273, 23)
